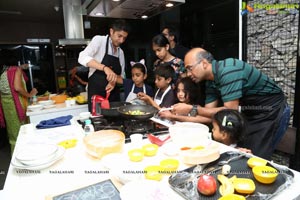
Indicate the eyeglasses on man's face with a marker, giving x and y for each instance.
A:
(189, 68)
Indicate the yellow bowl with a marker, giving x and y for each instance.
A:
(136, 155)
(254, 161)
(150, 149)
(153, 172)
(265, 174)
(169, 165)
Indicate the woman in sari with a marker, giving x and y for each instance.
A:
(14, 100)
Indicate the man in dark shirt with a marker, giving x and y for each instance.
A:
(177, 49)
(242, 87)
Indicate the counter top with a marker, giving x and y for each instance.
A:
(78, 169)
(57, 111)
(57, 108)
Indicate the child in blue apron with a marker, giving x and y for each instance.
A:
(136, 85)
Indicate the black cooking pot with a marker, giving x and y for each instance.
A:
(113, 111)
(148, 110)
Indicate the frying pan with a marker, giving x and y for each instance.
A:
(149, 110)
(113, 111)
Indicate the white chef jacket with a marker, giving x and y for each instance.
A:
(96, 50)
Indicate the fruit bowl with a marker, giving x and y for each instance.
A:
(265, 174)
(59, 98)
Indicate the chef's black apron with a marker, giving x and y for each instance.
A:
(262, 114)
(97, 82)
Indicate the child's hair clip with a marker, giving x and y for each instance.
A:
(224, 121)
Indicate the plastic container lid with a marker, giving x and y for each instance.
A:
(88, 121)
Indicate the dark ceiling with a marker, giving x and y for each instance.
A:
(31, 10)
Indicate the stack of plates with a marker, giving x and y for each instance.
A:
(47, 104)
(37, 156)
(35, 107)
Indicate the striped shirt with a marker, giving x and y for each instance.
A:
(234, 79)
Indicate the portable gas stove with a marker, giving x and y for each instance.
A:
(127, 126)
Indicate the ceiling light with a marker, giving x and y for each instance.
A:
(169, 5)
(116, 0)
(144, 16)
(99, 14)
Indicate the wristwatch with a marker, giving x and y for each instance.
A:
(194, 111)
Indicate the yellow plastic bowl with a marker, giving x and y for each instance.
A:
(153, 172)
(136, 155)
(265, 174)
(150, 149)
(254, 161)
(169, 165)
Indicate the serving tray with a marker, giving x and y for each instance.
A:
(185, 182)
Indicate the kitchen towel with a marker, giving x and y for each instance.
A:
(55, 122)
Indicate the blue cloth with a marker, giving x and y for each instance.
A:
(55, 122)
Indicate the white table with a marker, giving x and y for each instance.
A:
(71, 172)
(57, 111)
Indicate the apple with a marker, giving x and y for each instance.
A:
(207, 184)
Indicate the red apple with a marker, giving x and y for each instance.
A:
(207, 184)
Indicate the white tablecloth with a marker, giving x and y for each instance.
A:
(77, 169)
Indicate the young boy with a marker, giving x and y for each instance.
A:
(164, 97)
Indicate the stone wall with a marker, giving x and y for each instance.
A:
(272, 41)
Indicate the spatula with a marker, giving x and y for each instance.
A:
(155, 140)
(105, 102)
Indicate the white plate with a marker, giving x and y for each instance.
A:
(49, 106)
(46, 102)
(35, 107)
(146, 190)
(30, 152)
(58, 155)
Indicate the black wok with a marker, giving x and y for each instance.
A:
(113, 111)
(149, 110)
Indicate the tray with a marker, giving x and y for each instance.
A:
(185, 182)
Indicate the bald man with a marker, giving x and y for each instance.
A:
(242, 87)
